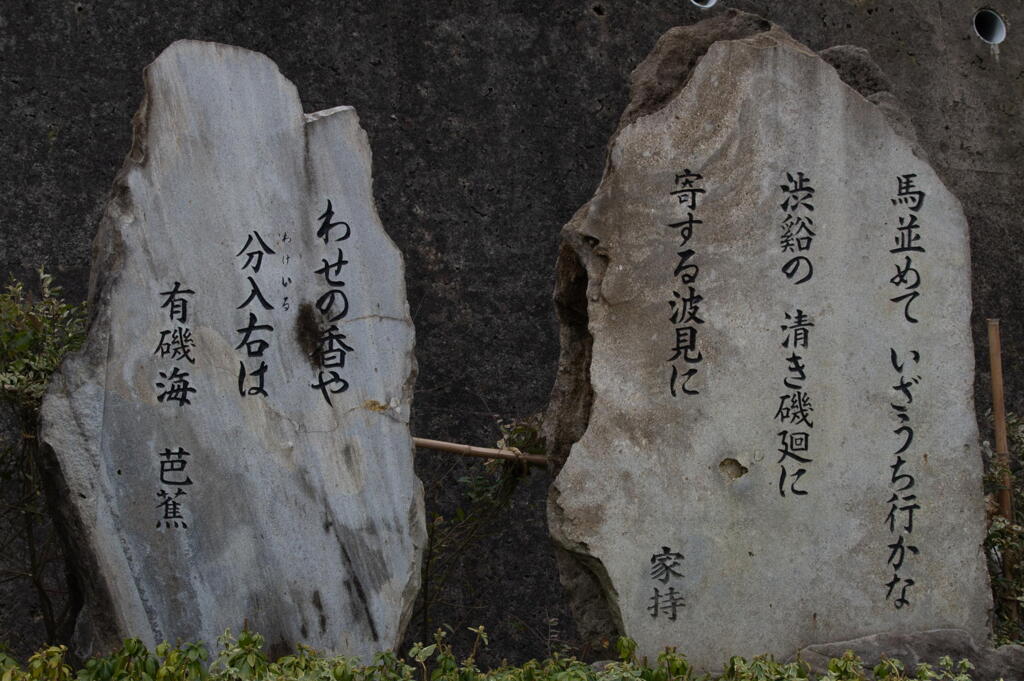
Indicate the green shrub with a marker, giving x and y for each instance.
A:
(35, 335)
(1005, 540)
(243, 659)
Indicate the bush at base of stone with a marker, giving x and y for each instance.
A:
(1005, 539)
(243, 659)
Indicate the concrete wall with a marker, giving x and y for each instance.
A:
(488, 122)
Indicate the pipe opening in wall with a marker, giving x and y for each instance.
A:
(989, 26)
(705, 4)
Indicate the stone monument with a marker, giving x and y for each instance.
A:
(766, 382)
(233, 440)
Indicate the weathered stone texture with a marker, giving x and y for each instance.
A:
(763, 567)
(489, 121)
(304, 516)
(928, 647)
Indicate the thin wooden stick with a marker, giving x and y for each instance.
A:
(1005, 496)
(480, 452)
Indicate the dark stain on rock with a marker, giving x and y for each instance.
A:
(350, 458)
(318, 603)
(359, 607)
(365, 566)
(279, 649)
(307, 330)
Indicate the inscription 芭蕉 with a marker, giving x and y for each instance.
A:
(173, 480)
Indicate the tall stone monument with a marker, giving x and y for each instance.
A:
(233, 440)
(766, 384)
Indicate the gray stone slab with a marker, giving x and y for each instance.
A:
(924, 647)
(213, 482)
(731, 490)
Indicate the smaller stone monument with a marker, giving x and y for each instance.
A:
(766, 383)
(233, 440)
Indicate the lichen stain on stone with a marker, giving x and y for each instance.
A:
(307, 330)
(732, 469)
(374, 405)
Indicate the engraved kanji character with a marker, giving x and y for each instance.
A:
(255, 294)
(907, 237)
(171, 508)
(799, 193)
(686, 345)
(688, 192)
(331, 348)
(667, 603)
(664, 564)
(177, 302)
(178, 346)
(254, 347)
(907, 193)
(685, 309)
(254, 258)
(795, 408)
(174, 462)
(909, 505)
(175, 386)
(799, 329)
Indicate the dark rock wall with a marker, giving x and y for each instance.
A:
(488, 122)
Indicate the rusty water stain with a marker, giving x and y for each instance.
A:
(374, 405)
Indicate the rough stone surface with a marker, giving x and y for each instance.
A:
(300, 515)
(489, 122)
(991, 664)
(804, 557)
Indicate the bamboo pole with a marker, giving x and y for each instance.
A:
(480, 452)
(1005, 496)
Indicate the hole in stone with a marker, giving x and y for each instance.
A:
(705, 4)
(732, 469)
(989, 26)
(598, 10)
